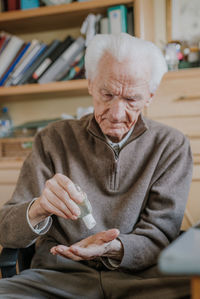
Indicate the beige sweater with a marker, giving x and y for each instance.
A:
(143, 193)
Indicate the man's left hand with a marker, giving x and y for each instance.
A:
(100, 244)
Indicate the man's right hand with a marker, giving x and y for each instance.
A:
(60, 197)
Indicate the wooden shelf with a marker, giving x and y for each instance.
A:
(54, 17)
(48, 90)
(11, 163)
(182, 73)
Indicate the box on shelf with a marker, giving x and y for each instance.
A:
(15, 147)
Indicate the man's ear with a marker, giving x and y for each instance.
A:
(90, 87)
(148, 102)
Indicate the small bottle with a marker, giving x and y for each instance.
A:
(86, 210)
(5, 123)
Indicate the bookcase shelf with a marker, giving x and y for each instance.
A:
(48, 90)
(54, 17)
(66, 16)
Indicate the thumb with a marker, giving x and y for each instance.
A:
(110, 235)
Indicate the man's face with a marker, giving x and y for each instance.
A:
(118, 97)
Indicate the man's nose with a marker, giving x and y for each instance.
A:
(117, 109)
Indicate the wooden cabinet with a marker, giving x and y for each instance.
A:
(177, 104)
(9, 172)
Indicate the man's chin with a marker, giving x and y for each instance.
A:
(115, 134)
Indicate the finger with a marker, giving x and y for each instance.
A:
(99, 238)
(52, 209)
(64, 251)
(74, 193)
(62, 196)
(87, 253)
(109, 235)
(57, 206)
(72, 256)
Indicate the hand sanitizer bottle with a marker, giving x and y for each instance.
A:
(86, 210)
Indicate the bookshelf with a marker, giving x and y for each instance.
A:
(60, 17)
(48, 90)
(72, 15)
(55, 17)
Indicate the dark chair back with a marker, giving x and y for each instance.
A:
(9, 258)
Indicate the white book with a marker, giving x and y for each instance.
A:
(23, 62)
(9, 53)
(115, 21)
(104, 27)
(63, 63)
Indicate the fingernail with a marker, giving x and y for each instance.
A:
(77, 187)
(59, 249)
(74, 217)
(78, 212)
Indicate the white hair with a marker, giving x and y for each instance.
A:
(144, 56)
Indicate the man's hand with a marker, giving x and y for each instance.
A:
(60, 197)
(100, 244)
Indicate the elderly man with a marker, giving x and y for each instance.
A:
(135, 172)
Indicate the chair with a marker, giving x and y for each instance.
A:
(182, 257)
(14, 260)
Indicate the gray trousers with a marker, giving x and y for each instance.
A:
(90, 283)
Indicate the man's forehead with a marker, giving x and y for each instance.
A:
(128, 88)
(108, 63)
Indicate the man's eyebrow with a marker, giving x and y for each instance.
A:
(104, 89)
(134, 97)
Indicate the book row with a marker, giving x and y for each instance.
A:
(8, 5)
(37, 62)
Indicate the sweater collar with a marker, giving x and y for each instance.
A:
(139, 128)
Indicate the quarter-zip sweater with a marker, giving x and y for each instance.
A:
(142, 192)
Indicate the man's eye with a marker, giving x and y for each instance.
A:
(108, 95)
(131, 101)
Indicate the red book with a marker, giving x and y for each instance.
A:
(13, 4)
(2, 40)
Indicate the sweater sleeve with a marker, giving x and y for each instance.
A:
(160, 220)
(37, 168)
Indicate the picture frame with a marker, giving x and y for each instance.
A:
(183, 20)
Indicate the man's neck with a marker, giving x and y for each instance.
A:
(115, 140)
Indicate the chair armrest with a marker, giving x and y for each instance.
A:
(8, 260)
(182, 256)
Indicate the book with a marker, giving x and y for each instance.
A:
(2, 6)
(62, 64)
(74, 63)
(29, 4)
(28, 73)
(38, 50)
(13, 4)
(117, 19)
(14, 63)
(2, 40)
(104, 28)
(44, 66)
(55, 2)
(23, 62)
(5, 40)
(75, 69)
(130, 21)
(10, 51)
